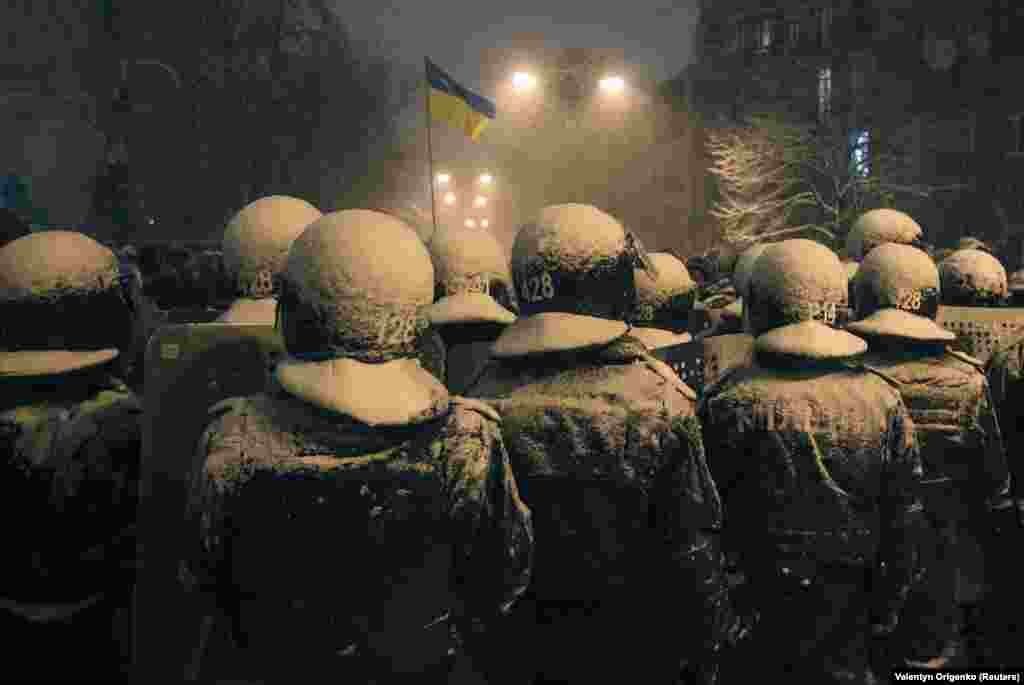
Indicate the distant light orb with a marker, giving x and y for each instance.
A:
(470, 223)
(443, 178)
(480, 201)
(449, 198)
(612, 84)
(484, 223)
(486, 178)
(523, 81)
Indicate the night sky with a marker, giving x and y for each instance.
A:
(657, 33)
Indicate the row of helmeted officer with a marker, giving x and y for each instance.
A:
(573, 511)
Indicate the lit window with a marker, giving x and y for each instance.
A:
(794, 33)
(824, 92)
(823, 25)
(860, 140)
(766, 34)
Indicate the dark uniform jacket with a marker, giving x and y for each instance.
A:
(608, 455)
(964, 468)
(817, 468)
(322, 537)
(70, 448)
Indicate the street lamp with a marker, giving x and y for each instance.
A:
(522, 81)
(486, 179)
(442, 178)
(449, 198)
(481, 201)
(612, 84)
(484, 223)
(470, 223)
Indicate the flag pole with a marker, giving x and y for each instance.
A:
(430, 149)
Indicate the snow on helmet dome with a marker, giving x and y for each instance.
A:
(458, 252)
(879, 226)
(256, 240)
(967, 272)
(67, 261)
(572, 236)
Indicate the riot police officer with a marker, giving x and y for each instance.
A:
(474, 299)
(70, 442)
(731, 318)
(815, 458)
(607, 452)
(254, 249)
(662, 311)
(897, 296)
(339, 516)
(880, 226)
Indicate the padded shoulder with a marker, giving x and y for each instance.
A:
(891, 380)
(478, 407)
(962, 356)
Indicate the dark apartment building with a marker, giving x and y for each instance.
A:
(938, 76)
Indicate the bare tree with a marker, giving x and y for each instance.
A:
(809, 160)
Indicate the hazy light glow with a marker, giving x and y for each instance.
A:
(486, 179)
(470, 223)
(449, 198)
(612, 84)
(480, 201)
(522, 81)
(485, 223)
(443, 178)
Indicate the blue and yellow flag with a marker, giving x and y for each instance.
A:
(457, 105)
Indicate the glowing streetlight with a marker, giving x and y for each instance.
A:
(522, 81)
(484, 223)
(612, 84)
(480, 201)
(443, 178)
(449, 198)
(470, 223)
(486, 179)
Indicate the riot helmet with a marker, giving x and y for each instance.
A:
(795, 292)
(972, 278)
(880, 226)
(67, 304)
(574, 274)
(473, 279)
(256, 241)
(354, 294)
(897, 296)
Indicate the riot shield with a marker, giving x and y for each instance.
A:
(980, 330)
(188, 368)
(193, 315)
(687, 360)
(702, 362)
(725, 352)
(700, 320)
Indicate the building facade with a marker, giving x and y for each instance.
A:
(936, 77)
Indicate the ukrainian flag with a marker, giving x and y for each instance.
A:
(457, 105)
